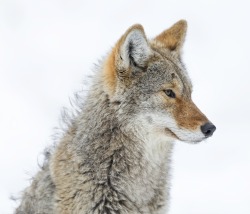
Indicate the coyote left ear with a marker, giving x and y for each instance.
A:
(173, 38)
(132, 49)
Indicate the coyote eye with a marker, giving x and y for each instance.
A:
(170, 93)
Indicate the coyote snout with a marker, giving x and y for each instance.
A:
(191, 124)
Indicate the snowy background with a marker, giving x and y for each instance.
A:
(48, 47)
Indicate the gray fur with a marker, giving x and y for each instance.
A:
(109, 160)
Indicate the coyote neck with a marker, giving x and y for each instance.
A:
(116, 155)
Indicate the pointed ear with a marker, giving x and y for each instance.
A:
(173, 38)
(133, 48)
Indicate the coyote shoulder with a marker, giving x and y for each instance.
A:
(115, 155)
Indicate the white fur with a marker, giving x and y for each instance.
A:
(157, 146)
(161, 122)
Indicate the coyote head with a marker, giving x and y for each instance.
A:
(148, 81)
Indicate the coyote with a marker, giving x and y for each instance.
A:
(114, 156)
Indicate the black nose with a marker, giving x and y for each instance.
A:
(208, 129)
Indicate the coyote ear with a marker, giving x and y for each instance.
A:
(133, 48)
(173, 38)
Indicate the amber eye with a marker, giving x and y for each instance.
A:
(170, 93)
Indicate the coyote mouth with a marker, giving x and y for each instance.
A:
(184, 137)
(171, 133)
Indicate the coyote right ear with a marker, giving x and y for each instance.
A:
(173, 37)
(132, 49)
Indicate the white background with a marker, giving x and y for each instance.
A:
(48, 47)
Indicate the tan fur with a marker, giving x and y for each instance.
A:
(111, 64)
(62, 176)
(173, 37)
(187, 115)
(109, 72)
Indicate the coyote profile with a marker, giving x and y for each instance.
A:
(115, 155)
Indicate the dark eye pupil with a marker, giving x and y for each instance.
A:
(170, 93)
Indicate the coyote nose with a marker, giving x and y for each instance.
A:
(208, 129)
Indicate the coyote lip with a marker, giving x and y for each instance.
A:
(171, 133)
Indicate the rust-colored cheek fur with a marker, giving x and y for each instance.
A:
(187, 115)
